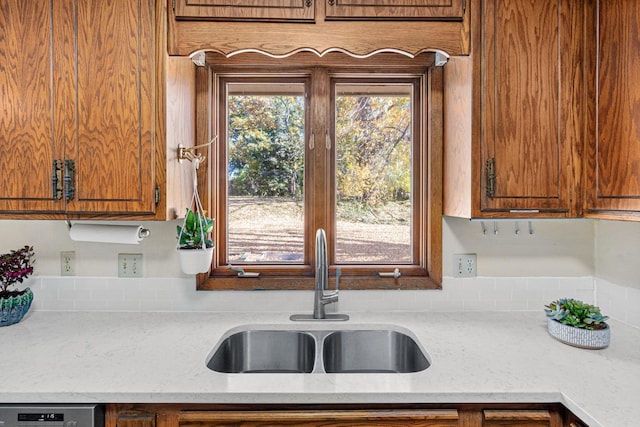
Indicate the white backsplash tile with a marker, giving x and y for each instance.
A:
(458, 294)
(619, 302)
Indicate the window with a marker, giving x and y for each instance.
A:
(336, 143)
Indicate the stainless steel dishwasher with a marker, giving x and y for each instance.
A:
(51, 415)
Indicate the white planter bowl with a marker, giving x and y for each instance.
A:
(194, 261)
(577, 337)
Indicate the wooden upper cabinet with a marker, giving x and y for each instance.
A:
(283, 27)
(265, 10)
(29, 104)
(513, 111)
(528, 79)
(111, 125)
(612, 171)
(78, 104)
(394, 9)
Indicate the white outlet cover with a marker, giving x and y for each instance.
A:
(464, 265)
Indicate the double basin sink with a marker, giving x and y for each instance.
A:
(261, 349)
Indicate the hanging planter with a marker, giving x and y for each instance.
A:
(194, 261)
(15, 267)
(195, 246)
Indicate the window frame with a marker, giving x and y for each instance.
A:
(426, 270)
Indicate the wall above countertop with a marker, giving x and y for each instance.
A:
(558, 248)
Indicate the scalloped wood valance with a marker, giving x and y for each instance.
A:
(281, 39)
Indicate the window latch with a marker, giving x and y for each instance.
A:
(395, 273)
(242, 273)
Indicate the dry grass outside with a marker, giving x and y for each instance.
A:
(271, 230)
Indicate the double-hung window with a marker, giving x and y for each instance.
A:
(338, 146)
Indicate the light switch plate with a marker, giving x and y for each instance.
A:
(130, 265)
(464, 265)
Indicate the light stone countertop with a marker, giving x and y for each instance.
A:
(109, 357)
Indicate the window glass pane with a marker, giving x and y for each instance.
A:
(373, 133)
(265, 172)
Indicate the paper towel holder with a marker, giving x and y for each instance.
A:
(143, 233)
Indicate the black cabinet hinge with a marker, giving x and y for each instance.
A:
(490, 175)
(69, 180)
(56, 180)
(157, 196)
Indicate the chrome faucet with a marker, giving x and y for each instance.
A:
(322, 278)
(320, 297)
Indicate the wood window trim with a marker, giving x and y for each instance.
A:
(301, 277)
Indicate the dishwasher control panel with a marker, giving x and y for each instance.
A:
(18, 415)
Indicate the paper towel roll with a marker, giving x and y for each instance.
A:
(103, 233)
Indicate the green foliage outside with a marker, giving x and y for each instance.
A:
(374, 149)
(266, 146)
(373, 142)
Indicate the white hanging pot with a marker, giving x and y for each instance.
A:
(194, 261)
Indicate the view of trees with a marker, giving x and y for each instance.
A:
(373, 135)
(266, 146)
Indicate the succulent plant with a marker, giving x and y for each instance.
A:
(195, 227)
(576, 313)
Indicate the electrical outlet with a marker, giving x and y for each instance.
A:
(464, 265)
(129, 265)
(68, 263)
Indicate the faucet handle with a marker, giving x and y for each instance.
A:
(338, 274)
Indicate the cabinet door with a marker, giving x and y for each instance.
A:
(530, 68)
(404, 418)
(226, 10)
(111, 124)
(613, 168)
(394, 9)
(521, 418)
(30, 99)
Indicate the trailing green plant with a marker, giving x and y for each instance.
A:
(576, 313)
(195, 227)
(15, 267)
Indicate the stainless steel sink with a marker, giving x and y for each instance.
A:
(357, 350)
(265, 351)
(384, 351)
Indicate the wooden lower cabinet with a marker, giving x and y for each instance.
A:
(474, 415)
(524, 418)
(324, 418)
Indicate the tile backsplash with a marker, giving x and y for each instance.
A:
(179, 294)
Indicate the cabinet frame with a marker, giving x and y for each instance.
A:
(611, 184)
(474, 164)
(246, 10)
(366, 414)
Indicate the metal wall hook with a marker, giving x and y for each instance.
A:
(530, 227)
(190, 154)
(483, 228)
(495, 228)
(517, 228)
